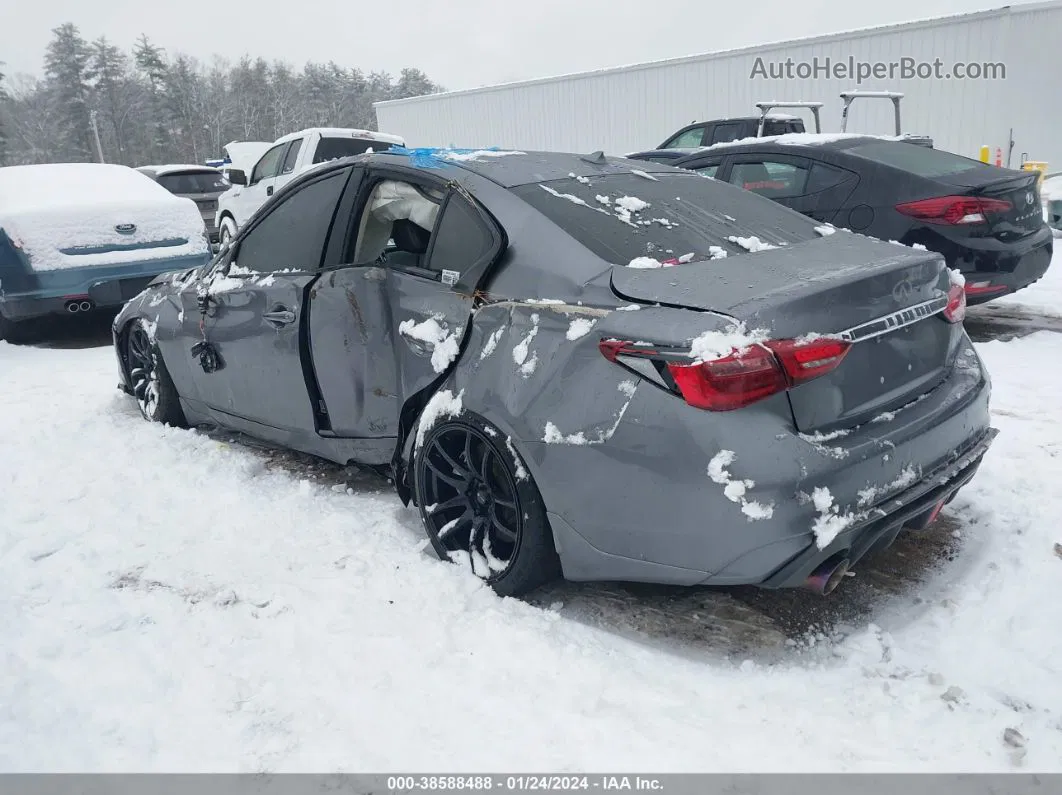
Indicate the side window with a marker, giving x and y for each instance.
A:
(824, 177)
(268, 165)
(686, 140)
(293, 234)
(462, 239)
(725, 132)
(396, 225)
(708, 171)
(291, 157)
(770, 178)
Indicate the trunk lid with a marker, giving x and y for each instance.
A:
(886, 298)
(1026, 213)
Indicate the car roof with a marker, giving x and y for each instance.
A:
(175, 168)
(512, 168)
(507, 168)
(779, 143)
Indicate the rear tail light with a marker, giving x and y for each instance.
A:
(954, 210)
(731, 382)
(742, 377)
(955, 311)
(984, 288)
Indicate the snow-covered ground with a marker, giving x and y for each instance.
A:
(167, 602)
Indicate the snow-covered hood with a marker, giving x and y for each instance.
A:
(74, 215)
(245, 154)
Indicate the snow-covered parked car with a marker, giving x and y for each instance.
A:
(283, 161)
(579, 364)
(201, 184)
(75, 236)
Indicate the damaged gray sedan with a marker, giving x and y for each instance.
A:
(582, 366)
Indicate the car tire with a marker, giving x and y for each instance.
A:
(487, 511)
(153, 389)
(226, 231)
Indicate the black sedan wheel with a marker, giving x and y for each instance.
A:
(479, 505)
(152, 387)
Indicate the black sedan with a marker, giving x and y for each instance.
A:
(986, 221)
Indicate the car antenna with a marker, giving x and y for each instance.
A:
(597, 158)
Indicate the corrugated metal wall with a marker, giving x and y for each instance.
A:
(637, 107)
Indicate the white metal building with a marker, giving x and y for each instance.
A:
(637, 107)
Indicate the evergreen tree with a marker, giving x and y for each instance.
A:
(413, 83)
(66, 64)
(110, 68)
(151, 64)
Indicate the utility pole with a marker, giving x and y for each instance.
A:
(96, 134)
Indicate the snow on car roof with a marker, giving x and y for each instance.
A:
(54, 185)
(174, 168)
(510, 168)
(344, 132)
(799, 139)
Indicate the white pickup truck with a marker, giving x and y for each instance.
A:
(283, 161)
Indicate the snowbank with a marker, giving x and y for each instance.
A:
(50, 210)
(177, 605)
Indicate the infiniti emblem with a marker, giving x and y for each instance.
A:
(902, 291)
(125, 229)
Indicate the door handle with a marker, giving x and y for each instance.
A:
(279, 317)
(269, 190)
(418, 346)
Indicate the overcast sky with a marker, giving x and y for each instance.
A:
(459, 43)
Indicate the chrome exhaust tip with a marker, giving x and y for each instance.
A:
(73, 306)
(825, 579)
(85, 306)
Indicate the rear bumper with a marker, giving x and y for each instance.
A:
(102, 287)
(883, 522)
(210, 222)
(999, 269)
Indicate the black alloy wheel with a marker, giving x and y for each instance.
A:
(480, 505)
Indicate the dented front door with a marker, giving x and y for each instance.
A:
(251, 323)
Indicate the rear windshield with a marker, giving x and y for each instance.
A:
(913, 159)
(621, 217)
(782, 126)
(194, 182)
(333, 148)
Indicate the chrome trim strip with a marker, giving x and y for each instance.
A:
(895, 320)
